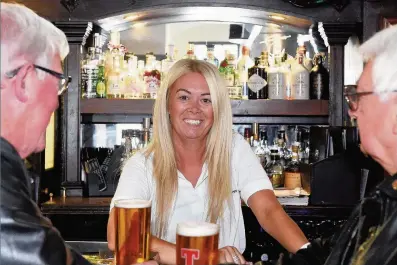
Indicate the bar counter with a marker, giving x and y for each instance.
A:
(85, 220)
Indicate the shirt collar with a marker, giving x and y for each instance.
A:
(389, 186)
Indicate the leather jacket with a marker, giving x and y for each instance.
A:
(27, 237)
(369, 237)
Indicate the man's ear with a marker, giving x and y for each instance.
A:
(20, 83)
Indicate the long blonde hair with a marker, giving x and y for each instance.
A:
(218, 147)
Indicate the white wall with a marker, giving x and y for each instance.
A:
(144, 39)
(180, 34)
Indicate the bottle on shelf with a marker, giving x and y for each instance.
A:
(293, 170)
(152, 78)
(274, 169)
(276, 79)
(244, 63)
(231, 76)
(262, 151)
(167, 63)
(255, 135)
(100, 61)
(190, 52)
(131, 86)
(319, 79)
(89, 75)
(101, 84)
(257, 80)
(114, 79)
(300, 76)
(211, 57)
(247, 135)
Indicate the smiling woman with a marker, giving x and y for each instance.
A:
(196, 169)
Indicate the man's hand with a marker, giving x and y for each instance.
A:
(314, 254)
(230, 255)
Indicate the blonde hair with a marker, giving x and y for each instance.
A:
(218, 146)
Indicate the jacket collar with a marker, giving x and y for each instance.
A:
(389, 186)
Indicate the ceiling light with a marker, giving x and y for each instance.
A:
(139, 24)
(277, 17)
(131, 17)
(273, 25)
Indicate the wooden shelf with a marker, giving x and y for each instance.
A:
(239, 107)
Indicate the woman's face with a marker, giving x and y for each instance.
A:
(190, 107)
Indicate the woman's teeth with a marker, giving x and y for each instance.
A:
(193, 122)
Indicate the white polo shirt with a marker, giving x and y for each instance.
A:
(248, 176)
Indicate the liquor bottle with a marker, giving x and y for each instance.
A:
(244, 63)
(300, 77)
(211, 57)
(190, 52)
(293, 170)
(255, 136)
(223, 65)
(151, 77)
(275, 169)
(257, 84)
(113, 83)
(132, 90)
(89, 75)
(168, 62)
(276, 79)
(319, 79)
(99, 57)
(262, 151)
(247, 135)
(101, 84)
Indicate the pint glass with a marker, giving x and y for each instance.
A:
(132, 222)
(197, 243)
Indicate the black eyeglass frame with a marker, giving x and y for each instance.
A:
(65, 84)
(350, 103)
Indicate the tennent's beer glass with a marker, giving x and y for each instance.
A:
(197, 243)
(132, 222)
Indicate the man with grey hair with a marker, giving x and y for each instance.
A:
(32, 50)
(370, 235)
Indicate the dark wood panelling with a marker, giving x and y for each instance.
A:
(69, 133)
(374, 14)
(239, 107)
(338, 34)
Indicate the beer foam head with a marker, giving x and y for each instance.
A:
(132, 204)
(197, 229)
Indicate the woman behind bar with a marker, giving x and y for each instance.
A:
(196, 169)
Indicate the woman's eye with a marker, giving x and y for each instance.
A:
(183, 97)
(207, 100)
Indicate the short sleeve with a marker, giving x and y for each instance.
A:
(251, 177)
(134, 182)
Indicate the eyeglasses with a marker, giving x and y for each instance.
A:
(352, 96)
(63, 80)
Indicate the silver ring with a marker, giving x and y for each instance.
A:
(236, 259)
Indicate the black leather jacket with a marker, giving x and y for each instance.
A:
(370, 235)
(26, 236)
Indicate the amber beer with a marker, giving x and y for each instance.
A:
(132, 222)
(197, 243)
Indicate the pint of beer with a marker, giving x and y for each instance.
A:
(197, 243)
(132, 222)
